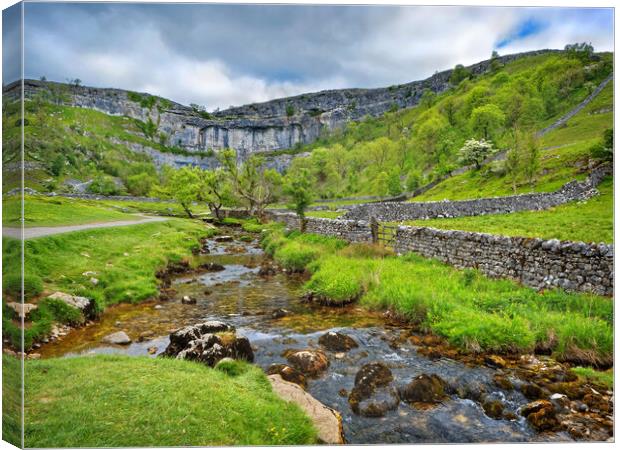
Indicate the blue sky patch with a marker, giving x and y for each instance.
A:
(526, 28)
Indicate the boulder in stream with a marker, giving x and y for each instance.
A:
(337, 342)
(279, 313)
(309, 362)
(541, 415)
(187, 300)
(532, 391)
(209, 342)
(118, 338)
(424, 389)
(493, 408)
(223, 238)
(288, 374)
(212, 267)
(372, 395)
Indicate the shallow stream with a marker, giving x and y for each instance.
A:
(240, 296)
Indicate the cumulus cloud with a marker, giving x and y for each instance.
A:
(221, 55)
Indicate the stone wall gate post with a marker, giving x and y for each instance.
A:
(374, 229)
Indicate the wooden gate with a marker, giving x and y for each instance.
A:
(382, 233)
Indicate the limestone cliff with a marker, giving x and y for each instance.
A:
(260, 127)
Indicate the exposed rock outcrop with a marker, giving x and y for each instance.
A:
(260, 127)
(85, 305)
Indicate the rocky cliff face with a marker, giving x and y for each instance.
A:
(260, 127)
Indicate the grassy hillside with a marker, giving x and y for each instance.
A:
(377, 156)
(405, 149)
(564, 157)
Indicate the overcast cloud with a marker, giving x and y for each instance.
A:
(221, 55)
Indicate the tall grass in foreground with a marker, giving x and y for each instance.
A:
(472, 311)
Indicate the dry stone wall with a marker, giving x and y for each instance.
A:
(401, 211)
(537, 263)
(348, 230)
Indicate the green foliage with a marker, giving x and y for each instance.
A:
(201, 111)
(125, 258)
(216, 190)
(148, 128)
(604, 149)
(57, 166)
(248, 411)
(298, 187)
(295, 256)
(528, 93)
(140, 184)
(394, 186)
(60, 311)
(12, 285)
(254, 185)
(582, 51)
(297, 251)
(184, 187)
(428, 98)
(12, 406)
(41, 320)
(290, 110)
(104, 185)
(597, 377)
(459, 73)
(336, 283)
(487, 120)
(54, 211)
(495, 62)
(530, 158)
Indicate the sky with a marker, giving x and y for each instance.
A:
(223, 55)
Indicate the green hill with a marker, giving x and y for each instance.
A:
(406, 149)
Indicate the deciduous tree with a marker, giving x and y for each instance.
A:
(474, 152)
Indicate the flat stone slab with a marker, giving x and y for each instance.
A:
(326, 420)
(22, 309)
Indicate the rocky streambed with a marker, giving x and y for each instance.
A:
(388, 383)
